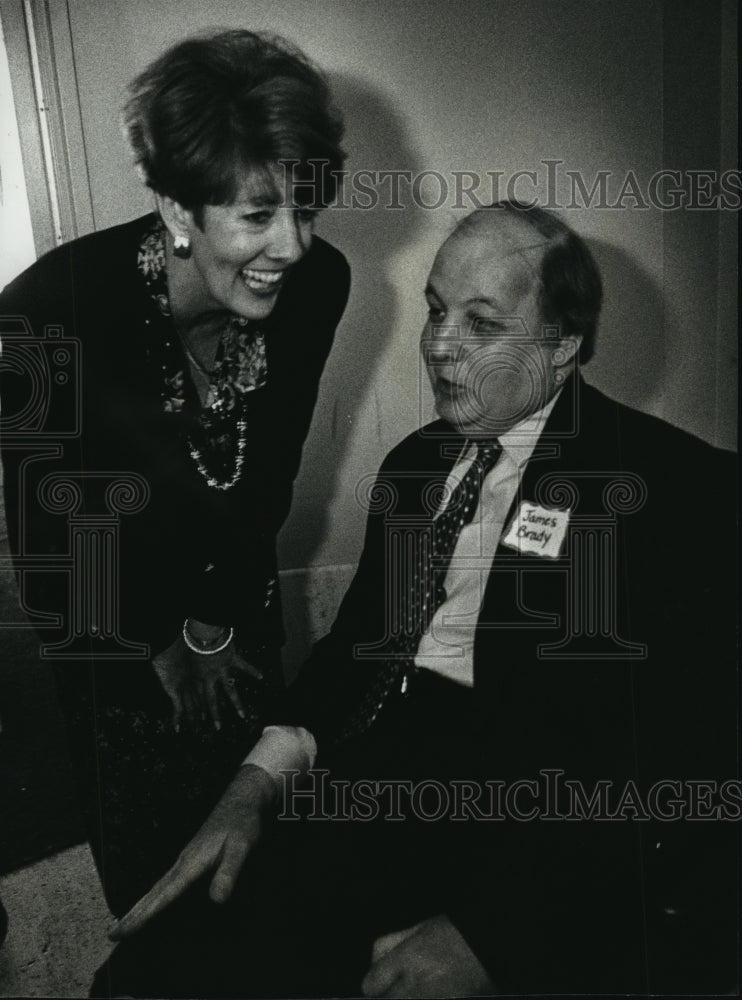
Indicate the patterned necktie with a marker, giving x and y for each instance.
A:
(424, 592)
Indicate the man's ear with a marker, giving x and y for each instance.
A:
(565, 352)
(179, 220)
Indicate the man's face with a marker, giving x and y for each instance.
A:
(484, 344)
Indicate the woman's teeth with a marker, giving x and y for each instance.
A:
(261, 281)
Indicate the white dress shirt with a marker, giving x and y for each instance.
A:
(447, 646)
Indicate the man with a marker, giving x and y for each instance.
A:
(540, 615)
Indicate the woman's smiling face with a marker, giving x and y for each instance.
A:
(242, 252)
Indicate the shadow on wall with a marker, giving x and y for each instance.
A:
(371, 238)
(629, 361)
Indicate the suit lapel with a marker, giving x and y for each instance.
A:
(525, 599)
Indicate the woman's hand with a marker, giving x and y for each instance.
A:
(199, 684)
(223, 843)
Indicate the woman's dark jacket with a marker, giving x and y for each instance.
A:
(82, 396)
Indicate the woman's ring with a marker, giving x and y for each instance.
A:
(231, 681)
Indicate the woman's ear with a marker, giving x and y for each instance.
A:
(179, 220)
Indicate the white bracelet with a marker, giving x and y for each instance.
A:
(205, 652)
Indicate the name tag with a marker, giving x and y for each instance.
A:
(537, 530)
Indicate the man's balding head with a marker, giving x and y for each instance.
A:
(571, 293)
(514, 295)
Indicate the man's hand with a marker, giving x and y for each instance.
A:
(197, 685)
(222, 843)
(430, 959)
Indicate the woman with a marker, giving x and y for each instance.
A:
(203, 331)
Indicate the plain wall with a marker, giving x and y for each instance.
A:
(477, 85)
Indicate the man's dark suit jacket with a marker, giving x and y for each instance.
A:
(613, 663)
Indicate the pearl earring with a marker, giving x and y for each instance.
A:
(182, 247)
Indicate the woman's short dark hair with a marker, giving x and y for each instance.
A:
(571, 293)
(218, 104)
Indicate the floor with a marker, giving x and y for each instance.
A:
(57, 927)
(58, 919)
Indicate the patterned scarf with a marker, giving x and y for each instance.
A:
(240, 365)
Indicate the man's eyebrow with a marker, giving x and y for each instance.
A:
(483, 300)
(476, 300)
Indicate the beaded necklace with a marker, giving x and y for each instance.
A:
(239, 460)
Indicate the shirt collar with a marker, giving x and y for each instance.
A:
(520, 440)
